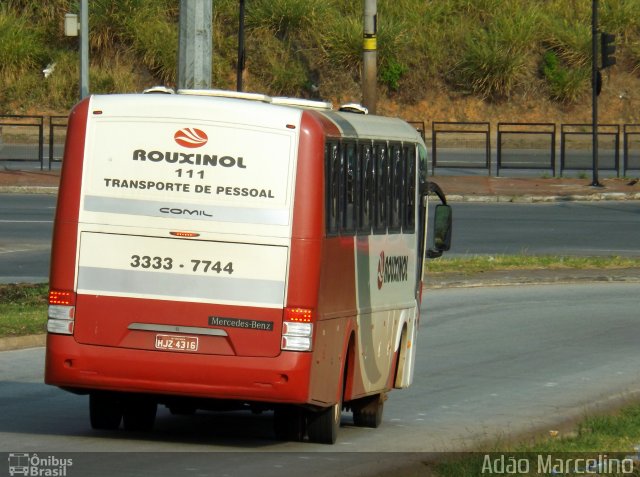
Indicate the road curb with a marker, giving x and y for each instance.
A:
(21, 342)
(534, 199)
(532, 277)
(50, 190)
(523, 282)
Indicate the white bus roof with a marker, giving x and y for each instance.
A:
(257, 109)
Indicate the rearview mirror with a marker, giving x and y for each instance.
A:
(442, 224)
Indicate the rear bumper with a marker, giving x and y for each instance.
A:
(283, 379)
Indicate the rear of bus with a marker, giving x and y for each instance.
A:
(171, 251)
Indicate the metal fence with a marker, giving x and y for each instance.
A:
(22, 138)
(57, 138)
(576, 147)
(631, 152)
(526, 146)
(454, 145)
(459, 145)
(533, 147)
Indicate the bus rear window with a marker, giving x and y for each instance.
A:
(188, 170)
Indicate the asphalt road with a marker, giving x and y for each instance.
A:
(557, 228)
(564, 228)
(491, 362)
(26, 225)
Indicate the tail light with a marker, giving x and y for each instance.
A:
(297, 329)
(62, 312)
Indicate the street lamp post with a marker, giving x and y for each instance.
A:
(84, 49)
(241, 51)
(370, 56)
(594, 92)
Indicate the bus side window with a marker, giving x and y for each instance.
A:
(422, 167)
(409, 222)
(381, 154)
(349, 181)
(366, 177)
(396, 188)
(332, 187)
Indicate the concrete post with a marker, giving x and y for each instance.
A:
(195, 45)
(370, 56)
(84, 49)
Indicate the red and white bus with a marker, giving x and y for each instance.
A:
(220, 250)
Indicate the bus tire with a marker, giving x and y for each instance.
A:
(367, 412)
(105, 411)
(323, 425)
(139, 414)
(182, 410)
(289, 423)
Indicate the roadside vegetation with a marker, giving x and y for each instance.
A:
(489, 49)
(600, 437)
(475, 264)
(23, 309)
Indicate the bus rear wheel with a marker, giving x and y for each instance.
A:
(139, 413)
(289, 423)
(105, 411)
(367, 412)
(323, 425)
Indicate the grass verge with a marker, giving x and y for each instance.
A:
(489, 263)
(23, 309)
(599, 445)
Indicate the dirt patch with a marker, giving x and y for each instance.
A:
(29, 178)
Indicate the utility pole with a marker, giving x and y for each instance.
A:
(241, 53)
(594, 92)
(369, 56)
(84, 49)
(195, 45)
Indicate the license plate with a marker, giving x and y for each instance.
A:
(177, 343)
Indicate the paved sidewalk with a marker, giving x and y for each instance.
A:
(457, 188)
(509, 189)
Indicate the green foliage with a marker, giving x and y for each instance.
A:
(494, 49)
(486, 263)
(391, 73)
(23, 294)
(571, 40)
(285, 17)
(565, 84)
(20, 44)
(23, 309)
(634, 54)
(621, 17)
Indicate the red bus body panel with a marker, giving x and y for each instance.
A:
(105, 353)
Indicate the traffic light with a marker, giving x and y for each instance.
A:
(607, 49)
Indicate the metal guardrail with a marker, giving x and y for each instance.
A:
(56, 123)
(580, 135)
(519, 146)
(18, 136)
(455, 145)
(515, 151)
(631, 154)
(462, 133)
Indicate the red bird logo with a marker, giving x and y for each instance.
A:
(191, 137)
